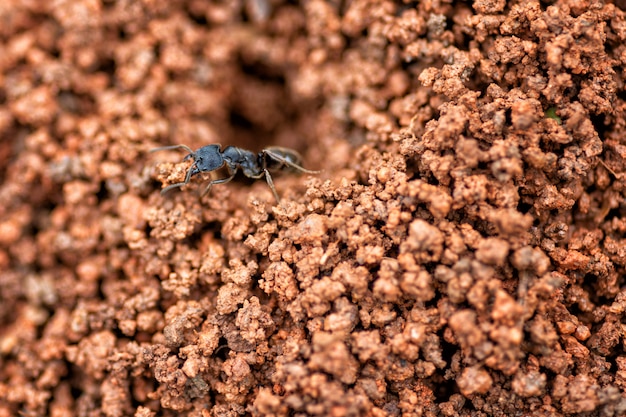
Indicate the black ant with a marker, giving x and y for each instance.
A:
(211, 157)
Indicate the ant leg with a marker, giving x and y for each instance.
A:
(270, 182)
(220, 181)
(166, 148)
(285, 161)
(178, 184)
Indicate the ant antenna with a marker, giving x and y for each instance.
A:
(178, 184)
(172, 147)
(188, 176)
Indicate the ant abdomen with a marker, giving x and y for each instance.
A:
(278, 158)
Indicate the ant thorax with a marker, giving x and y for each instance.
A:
(244, 159)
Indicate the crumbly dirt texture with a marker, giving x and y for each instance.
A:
(462, 252)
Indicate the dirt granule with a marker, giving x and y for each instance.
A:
(462, 252)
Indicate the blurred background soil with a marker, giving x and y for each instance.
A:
(463, 251)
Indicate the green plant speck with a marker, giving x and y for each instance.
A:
(551, 113)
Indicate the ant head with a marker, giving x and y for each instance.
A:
(208, 158)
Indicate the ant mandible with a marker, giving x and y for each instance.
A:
(211, 157)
